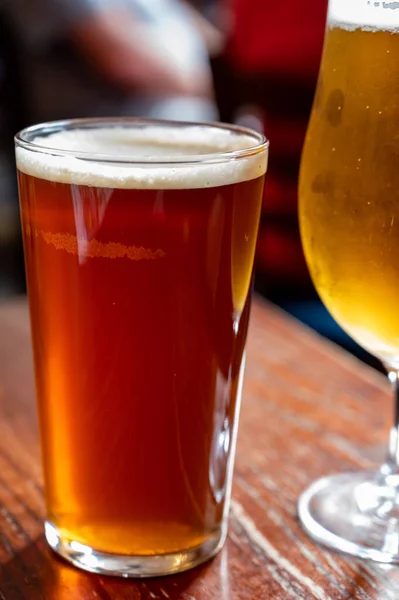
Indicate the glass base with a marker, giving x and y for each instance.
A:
(89, 559)
(356, 513)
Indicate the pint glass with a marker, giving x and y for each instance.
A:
(139, 241)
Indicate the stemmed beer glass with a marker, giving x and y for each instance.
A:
(349, 216)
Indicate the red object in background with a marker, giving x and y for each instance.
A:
(275, 50)
(281, 37)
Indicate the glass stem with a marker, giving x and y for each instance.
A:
(393, 449)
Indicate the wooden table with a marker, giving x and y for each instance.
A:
(309, 409)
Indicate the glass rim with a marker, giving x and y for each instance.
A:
(23, 139)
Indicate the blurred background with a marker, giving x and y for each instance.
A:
(251, 62)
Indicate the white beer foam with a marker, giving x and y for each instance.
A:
(146, 144)
(364, 14)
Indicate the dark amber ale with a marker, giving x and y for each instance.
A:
(139, 304)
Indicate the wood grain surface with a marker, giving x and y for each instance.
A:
(308, 410)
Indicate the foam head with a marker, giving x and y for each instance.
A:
(137, 157)
(364, 14)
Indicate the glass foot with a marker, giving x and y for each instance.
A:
(91, 560)
(356, 513)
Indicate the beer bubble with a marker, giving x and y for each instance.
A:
(143, 158)
(335, 106)
(362, 14)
